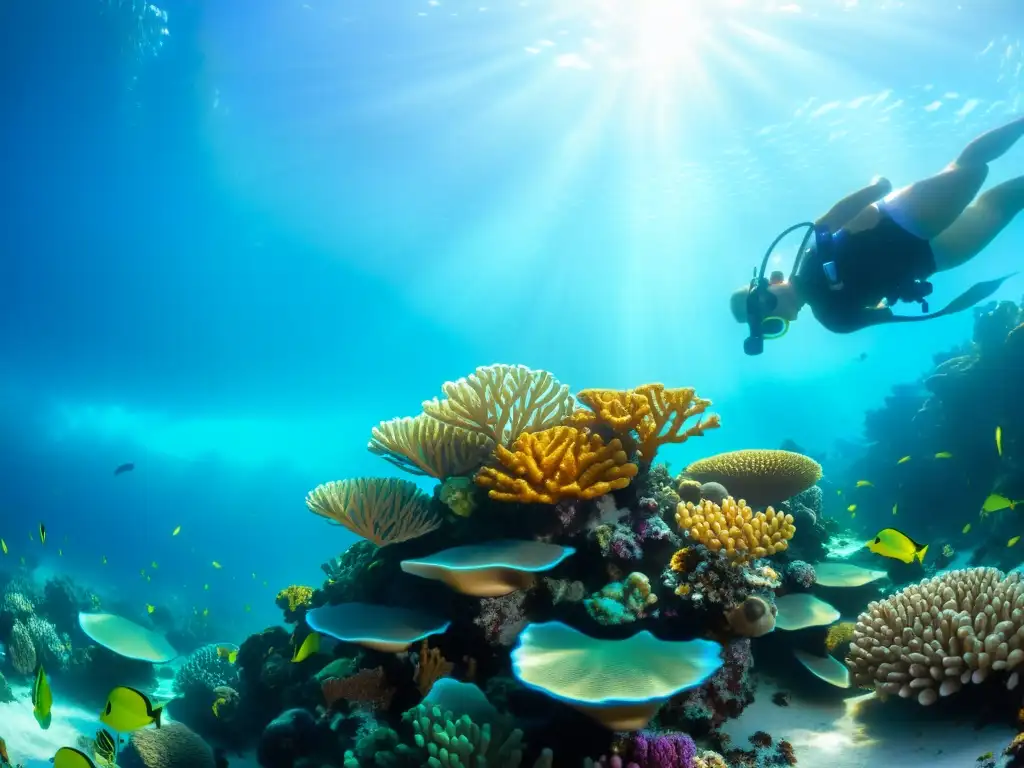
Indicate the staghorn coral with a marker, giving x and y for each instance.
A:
(21, 650)
(758, 476)
(171, 746)
(425, 446)
(734, 529)
(501, 402)
(367, 687)
(621, 602)
(203, 671)
(431, 666)
(932, 638)
(646, 417)
(381, 510)
(293, 600)
(554, 464)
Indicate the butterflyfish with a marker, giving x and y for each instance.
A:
(129, 710)
(226, 652)
(890, 542)
(999, 440)
(176, 531)
(1013, 541)
(943, 455)
(996, 502)
(852, 508)
(217, 565)
(904, 460)
(309, 646)
(106, 747)
(42, 699)
(865, 484)
(42, 533)
(966, 528)
(69, 757)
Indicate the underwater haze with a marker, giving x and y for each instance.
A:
(237, 235)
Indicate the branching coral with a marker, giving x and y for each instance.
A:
(501, 402)
(758, 476)
(381, 510)
(425, 446)
(431, 666)
(734, 528)
(554, 464)
(932, 638)
(647, 416)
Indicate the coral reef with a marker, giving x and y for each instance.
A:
(735, 529)
(172, 746)
(381, 510)
(758, 476)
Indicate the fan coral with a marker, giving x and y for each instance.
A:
(655, 415)
(292, 600)
(554, 464)
(382, 510)
(502, 401)
(735, 529)
(21, 650)
(426, 446)
(758, 476)
(932, 638)
(622, 602)
(172, 746)
(203, 671)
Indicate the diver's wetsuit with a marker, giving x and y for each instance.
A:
(884, 262)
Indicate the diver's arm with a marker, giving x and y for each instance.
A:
(843, 212)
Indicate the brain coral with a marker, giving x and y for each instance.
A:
(758, 477)
(172, 746)
(931, 638)
(203, 671)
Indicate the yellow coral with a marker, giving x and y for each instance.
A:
(554, 464)
(733, 528)
(839, 634)
(655, 414)
(678, 562)
(425, 446)
(381, 510)
(683, 590)
(503, 401)
(295, 597)
(759, 476)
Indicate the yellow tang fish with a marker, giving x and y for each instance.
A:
(176, 531)
(865, 484)
(128, 710)
(999, 440)
(150, 608)
(1013, 541)
(996, 502)
(228, 653)
(310, 646)
(966, 528)
(904, 460)
(217, 565)
(42, 699)
(42, 533)
(890, 542)
(3, 546)
(943, 455)
(69, 757)
(852, 508)
(217, 705)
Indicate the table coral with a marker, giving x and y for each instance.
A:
(554, 464)
(734, 528)
(425, 446)
(381, 510)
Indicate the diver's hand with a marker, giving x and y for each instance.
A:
(883, 184)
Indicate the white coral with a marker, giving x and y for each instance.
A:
(930, 639)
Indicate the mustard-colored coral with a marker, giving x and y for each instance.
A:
(647, 416)
(381, 510)
(734, 529)
(839, 634)
(554, 464)
(679, 560)
(294, 597)
(425, 446)
(758, 476)
(501, 402)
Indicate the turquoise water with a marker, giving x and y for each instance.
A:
(237, 235)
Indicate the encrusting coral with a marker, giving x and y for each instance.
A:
(554, 464)
(735, 529)
(758, 476)
(501, 402)
(425, 446)
(381, 510)
(932, 638)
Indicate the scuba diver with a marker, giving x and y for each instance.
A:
(877, 247)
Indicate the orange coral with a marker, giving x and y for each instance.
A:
(733, 528)
(554, 464)
(655, 414)
(432, 666)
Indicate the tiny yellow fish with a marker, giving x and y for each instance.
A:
(966, 528)
(852, 508)
(309, 646)
(1013, 541)
(206, 586)
(103, 559)
(943, 455)
(142, 572)
(895, 508)
(904, 460)
(153, 565)
(996, 502)
(999, 440)
(42, 699)
(3, 546)
(206, 611)
(217, 705)
(839, 491)
(865, 484)
(176, 531)
(42, 533)
(150, 608)
(217, 565)
(60, 553)
(890, 542)
(228, 653)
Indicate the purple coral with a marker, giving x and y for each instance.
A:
(662, 750)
